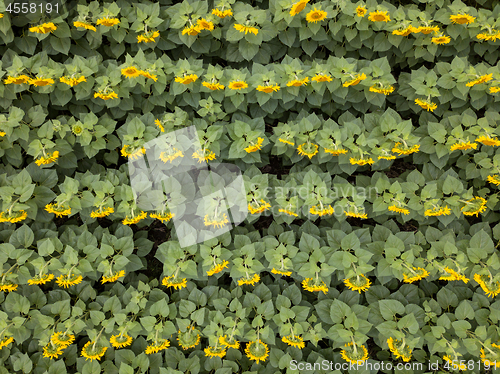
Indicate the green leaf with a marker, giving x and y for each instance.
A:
(61, 45)
(389, 308)
(437, 131)
(23, 237)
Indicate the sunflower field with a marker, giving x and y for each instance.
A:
(367, 136)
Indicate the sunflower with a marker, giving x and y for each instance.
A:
(356, 214)
(52, 350)
(8, 286)
(316, 15)
(219, 223)
(321, 210)
(41, 279)
(215, 352)
(160, 125)
(395, 348)
(135, 154)
(13, 217)
(384, 90)
(254, 279)
(481, 79)
(62, 339)
(254, 146)
(452, 275)
(294, 341)
(361, 11)
(48, 159)
(394, 208)
(309, 284)
(268, 88)
(113, 277)
(102, 212)
(188, 339)
(495, 179)
(256, 207)
(298, 82)
(494, 89)
(108, 21)
(203, 155)
(487, 140)
(257, 351)
(463, 146)
(134, 219)
(403, 32)
(335, 152)
(70, 81)
(437, 211)
(157, 346)
(148, 75)
(85, 25)
(307, 149)
(222, 14)
(229, 343)
(494, 362)
(361, 161)
(59, 211)
(131, 72)
(298, 7)
(391, 157)
(246, 29)
(358, 283)
(281, 272)
(172, 281)
(454, 364)
(217, 268)
(286, 141)
(41, 82)
(355, 81)
(149, 37)
(66, 280)
(321, 77)
(237, 85)
(203, 24)
(441, 39)
(485, 285)
(162, 216)
(492, 35)
(405, 150)
(6, 341)
(480, 206)
(289, 212)
(213, 86)
(462, 19)
(354, 355)
(379, 16)
(186, 79)
(20, 79)
(425, 29)
(93, 352)
(429, 106)
(107, 96)
(418, 273)
(171, 155)
(192, 30)
(44, 28)
(120, 341)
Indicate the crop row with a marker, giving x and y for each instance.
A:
(373, 263)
